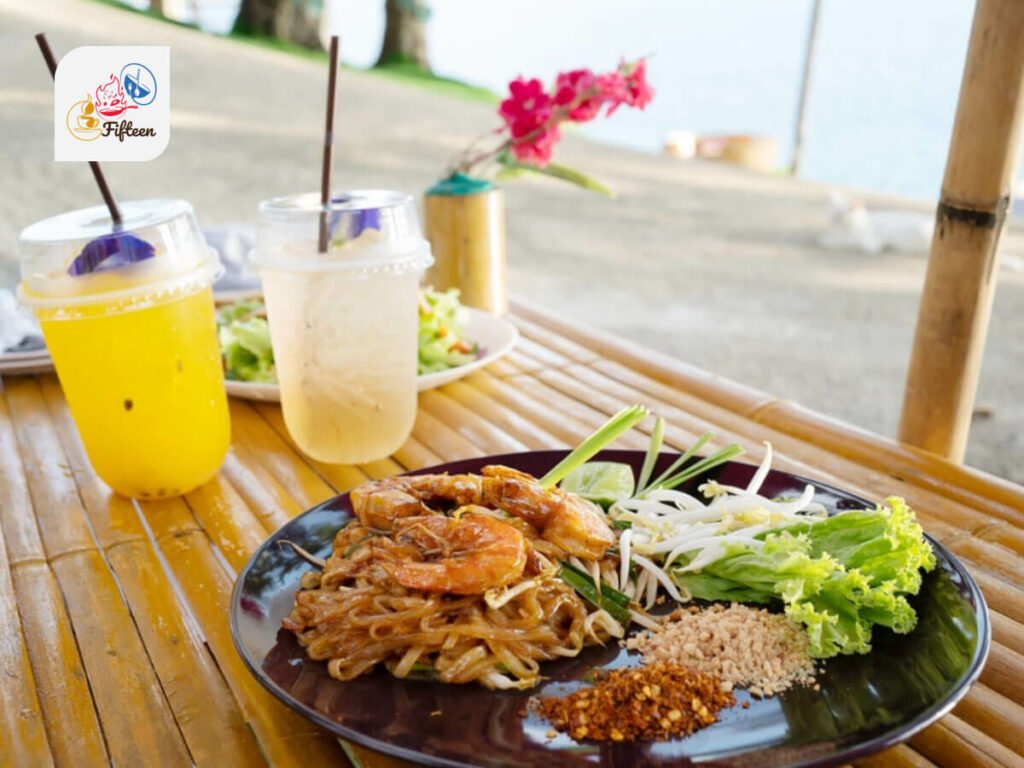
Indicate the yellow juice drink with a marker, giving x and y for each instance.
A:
(149, 399)
(127, 314)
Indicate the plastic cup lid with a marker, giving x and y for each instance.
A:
(368, 231)
(80, 256)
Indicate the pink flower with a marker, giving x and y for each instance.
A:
(638, 92)
(527, 113)
(533, 143)
(580, 92)
(532, 115)
(628, 86)
(527, 103)
(613, 90)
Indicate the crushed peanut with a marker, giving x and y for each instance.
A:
(741, 646)
(656, 701)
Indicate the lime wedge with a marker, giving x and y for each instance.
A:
(603, 482)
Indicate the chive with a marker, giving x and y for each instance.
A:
(657, 438)
(622, 525)
(608, 591)
(422, 670)
(610, 599)
(704, 465)
(611, 430)
(683, 458)
(350, 754)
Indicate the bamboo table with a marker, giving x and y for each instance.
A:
(114, 641)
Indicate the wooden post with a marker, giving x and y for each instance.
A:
(984, 154)
(805, 86)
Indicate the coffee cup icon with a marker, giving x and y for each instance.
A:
(86, 125)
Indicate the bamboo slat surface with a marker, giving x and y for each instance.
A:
(115, 648)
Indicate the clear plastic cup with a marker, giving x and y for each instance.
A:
(129, 321)
(343, 323)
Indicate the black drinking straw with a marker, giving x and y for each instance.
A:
(97, 172)
(325, 168)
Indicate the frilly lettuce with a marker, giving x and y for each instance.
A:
(245, 342)
(885, 544)
(442, 333)
(838, 577)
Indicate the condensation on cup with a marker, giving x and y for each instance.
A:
(344, 323)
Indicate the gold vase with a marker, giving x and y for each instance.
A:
(467, 236)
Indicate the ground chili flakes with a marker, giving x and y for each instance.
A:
(657, 701)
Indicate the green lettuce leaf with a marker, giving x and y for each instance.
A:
(247, 352)
(838, 577)
(781, 569)
(240, 310)
(884, 544)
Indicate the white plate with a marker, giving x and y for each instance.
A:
(40, 365)
(11, 356)
(29, 361)
(494, 335)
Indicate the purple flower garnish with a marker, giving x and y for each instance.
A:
(368, 219)
(356, 221)
(110, 251)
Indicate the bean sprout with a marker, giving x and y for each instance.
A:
(668, 531)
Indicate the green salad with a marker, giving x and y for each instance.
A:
(838, 576)
(442, 339)
(245, 342)
(248, 356)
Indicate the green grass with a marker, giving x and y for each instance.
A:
(146, 12)
(401, 71)
(276, 44)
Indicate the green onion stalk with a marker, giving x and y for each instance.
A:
(615, 427)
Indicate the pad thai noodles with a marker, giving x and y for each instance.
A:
(458, 575)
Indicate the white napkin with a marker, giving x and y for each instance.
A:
(233, 242)
(18, 331)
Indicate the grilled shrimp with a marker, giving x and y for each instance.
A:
(380, 503)
(574, 524)
(464, 555)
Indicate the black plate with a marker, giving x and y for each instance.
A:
(866, 703)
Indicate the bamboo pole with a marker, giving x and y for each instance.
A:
(960, 282)
(805, 86)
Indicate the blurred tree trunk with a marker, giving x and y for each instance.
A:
(157, 6)
(405, 33)
(289, 20)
